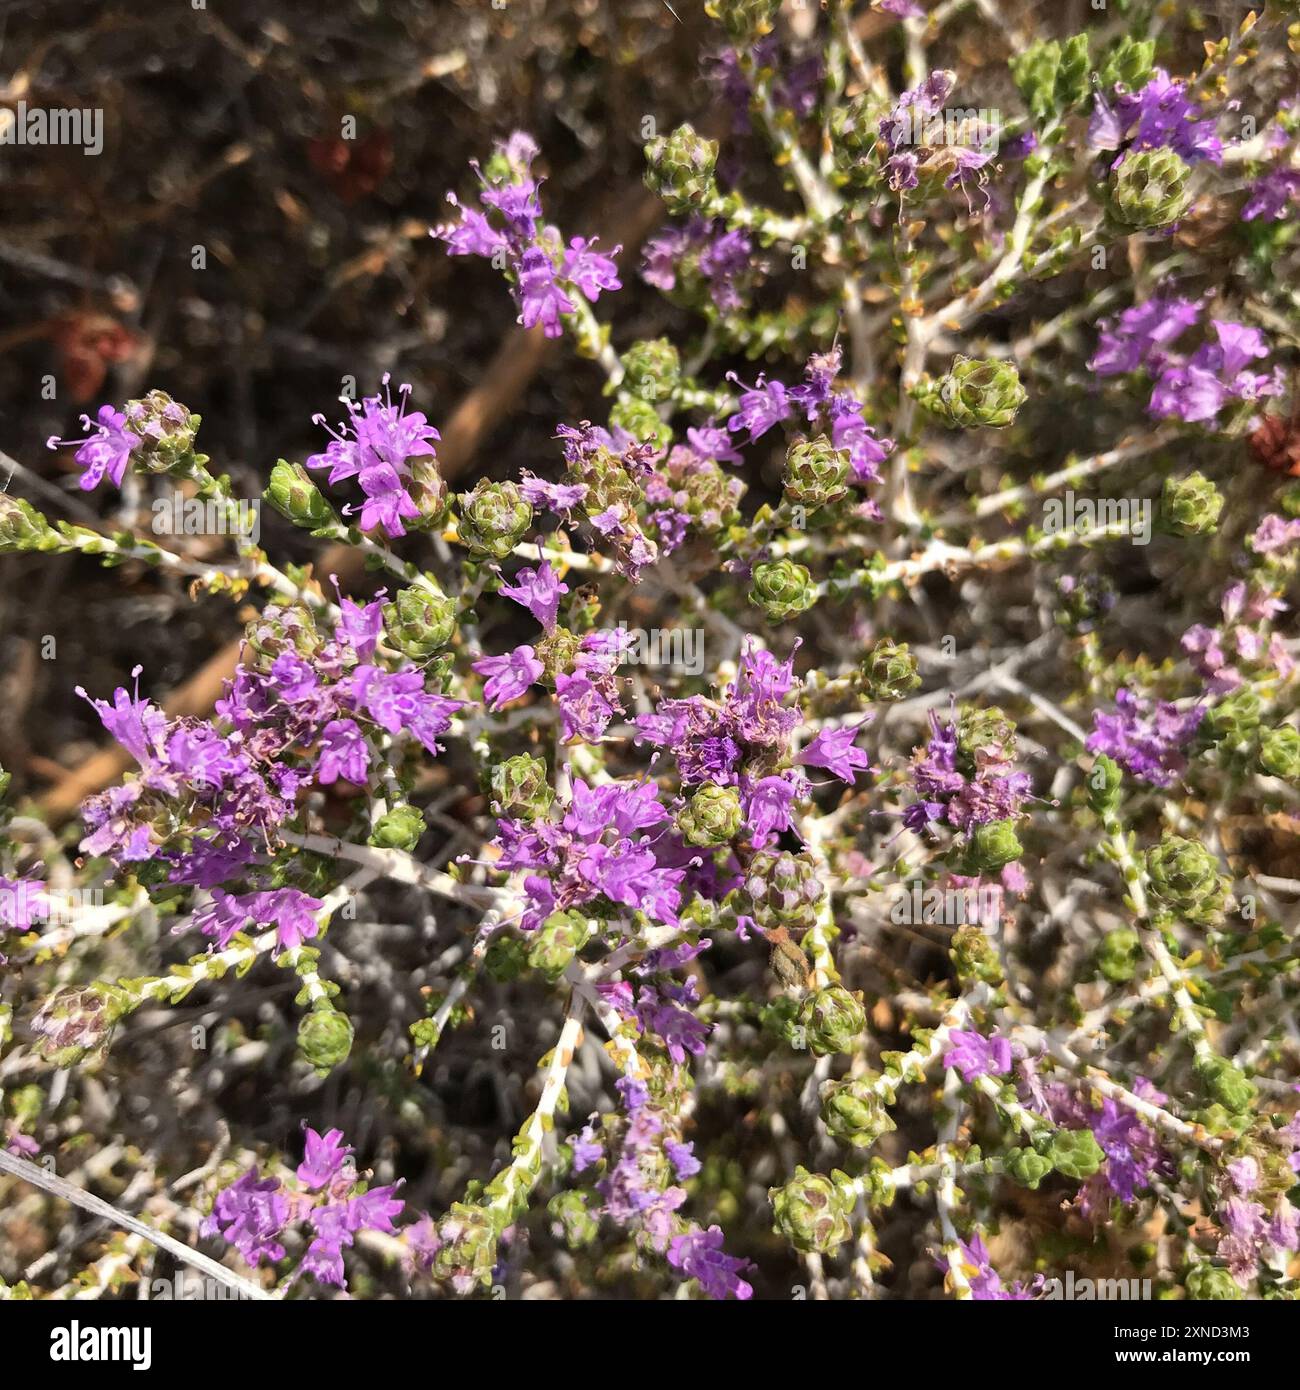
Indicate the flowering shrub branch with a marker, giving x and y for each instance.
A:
(679, 753)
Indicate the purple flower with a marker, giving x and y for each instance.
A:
(975, 1055)
(508, 676)
(1272, 195)
(289, 910)
(833, 749)
(1275, 533)
(557, 497)
(106, 452)
(699, 1255)
(541, 300)
(1160, 114)
(767, 804)
(323, 1158)
(712, 442)
(539, 591)
(761, 407)
(1135, 339)
(376, 432)
(343, 754)
(1149, 743)
(985, 1282)
(591, 271)
(585, 709)
(250, 1214)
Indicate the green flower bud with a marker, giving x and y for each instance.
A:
(1027, 1167)
(984, 735)
(506, 957)
(816, 473)
(5, 779)
(556, 651)
(681, 169)
(1185, 879)
(399, 828)
(832, 1020)
(978, 392)
(1119, 954)
(974, 956)
(712, 494)
(521, 788)
(641, 420)
(652, 370)
(553, 946)
(1105, 785)
(1129, 61)
(782, 589)
(420, 622)
(1207, 1283)
(991, 847)
(1190, 506)
(74, 1023)
(1233, 720)
(282, 628)
(467, 1250)
(1226, 1084)
(712, 817)
(166, 430)
(571, 1219)
(493, 519)
(889, 670)
(325, 1037)
(293, 494)
(22, 527)
(812, 1212)
(1075, 1152)
(1148, 190)
(427, 488)
(853, 1113)
(781, 889)
(1279, 752)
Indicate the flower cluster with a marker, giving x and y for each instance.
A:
(629, 763)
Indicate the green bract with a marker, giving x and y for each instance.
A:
(712, 816)
(889, 670)
(494, 518)
(681, 169)
(782, 589)
(812, 1211)
(1150, 189)
(832, 1020)
(978, 392)
(1190, 506)
(325, 1037)
(1185, 878)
